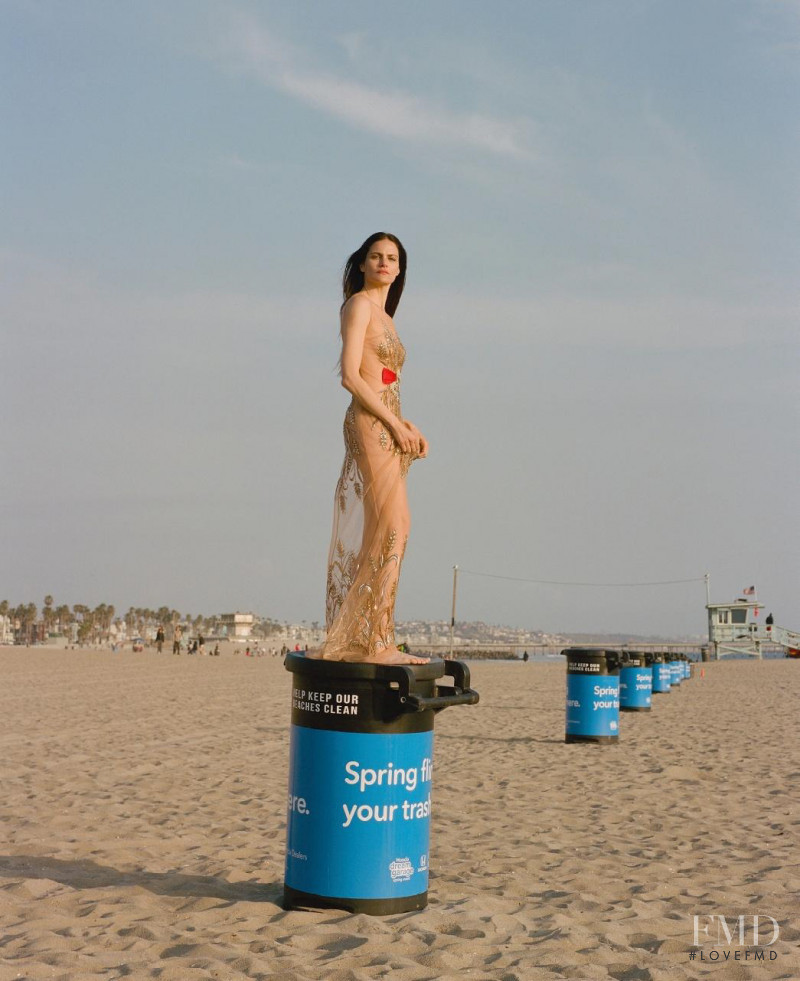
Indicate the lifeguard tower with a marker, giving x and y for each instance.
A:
(734, 628)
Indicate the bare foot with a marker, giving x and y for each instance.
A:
(391, 655)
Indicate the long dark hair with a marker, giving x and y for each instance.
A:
(353, 279)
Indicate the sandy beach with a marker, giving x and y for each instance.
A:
(142, 825)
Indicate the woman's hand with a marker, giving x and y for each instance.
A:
(409, 439)
(421, 441)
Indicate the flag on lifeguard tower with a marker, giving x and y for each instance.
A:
(749, 591)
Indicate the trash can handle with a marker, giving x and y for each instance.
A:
(458, 694)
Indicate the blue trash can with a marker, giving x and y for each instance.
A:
(592, 695)
(662, 674)
(676, 670)
(635, 682)
(360, 772)
(687, 666)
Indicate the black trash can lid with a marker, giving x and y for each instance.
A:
(321, 668)
(633, 656)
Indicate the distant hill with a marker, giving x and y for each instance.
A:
(477, 631)
(630, 640)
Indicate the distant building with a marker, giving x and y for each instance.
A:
(6, 630)
(236, 625)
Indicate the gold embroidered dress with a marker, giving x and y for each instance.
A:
(370, 518)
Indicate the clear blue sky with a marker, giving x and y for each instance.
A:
(600, 204)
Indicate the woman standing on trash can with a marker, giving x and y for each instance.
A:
(371, 517)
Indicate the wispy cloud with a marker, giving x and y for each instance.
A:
(353, 43)
(398, 115)
(232, 161)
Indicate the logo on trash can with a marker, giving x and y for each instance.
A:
(401, 869)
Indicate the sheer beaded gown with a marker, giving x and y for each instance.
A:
(371, 517)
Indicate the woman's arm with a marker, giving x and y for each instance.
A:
(355, 321)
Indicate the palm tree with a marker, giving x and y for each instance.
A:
(25, 614)
(102, 616)
(63, 618)
(84, 618)
(98, 616)
(47, 613)
(85, 628)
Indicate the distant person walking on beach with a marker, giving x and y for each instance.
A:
(159, 639)
(371, 516)
(176, 639)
